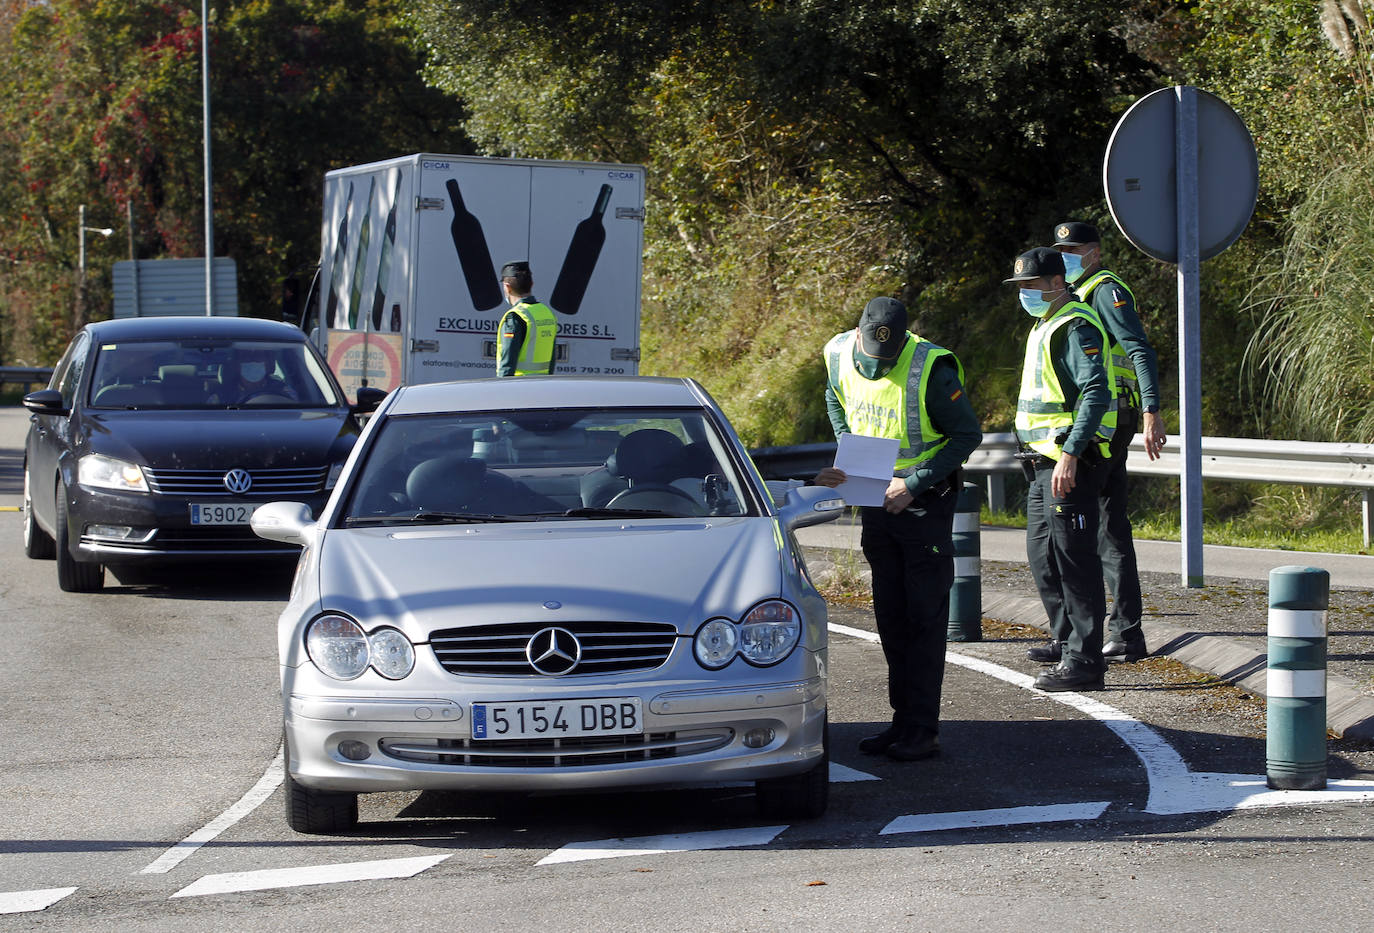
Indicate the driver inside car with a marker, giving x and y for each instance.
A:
(255, 380)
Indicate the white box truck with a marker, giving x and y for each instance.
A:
(407, 289)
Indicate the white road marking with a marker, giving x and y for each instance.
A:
(20, 902)
(1006, 816)
(316, 874)
(843, 774)
(1174, 788)
(658, 845)
(249, 802)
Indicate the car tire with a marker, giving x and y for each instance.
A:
(797, 796)
(38, 544)
(318, 812)
(73, 576)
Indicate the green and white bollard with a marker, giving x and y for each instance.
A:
(966, 595)
(1296, 683)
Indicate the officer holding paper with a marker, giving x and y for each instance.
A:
(884, 381)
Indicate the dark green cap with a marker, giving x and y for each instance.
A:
(1041, 262)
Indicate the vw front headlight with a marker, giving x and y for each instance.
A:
(769, 632)
(109, 473)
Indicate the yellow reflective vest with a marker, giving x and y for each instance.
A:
(535, 356)
(886, 406)
(1122, 369)
(1043, 417)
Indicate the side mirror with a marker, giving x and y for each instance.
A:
(46, 402)
(810, 505)
(287, 522)
(369, 397)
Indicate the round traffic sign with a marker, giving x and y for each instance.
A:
(1140, 175)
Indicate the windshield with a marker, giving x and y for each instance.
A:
(542, 465)
(150, 374)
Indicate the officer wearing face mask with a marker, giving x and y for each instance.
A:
(1065, 420)
(1135, 370)
(885, 381)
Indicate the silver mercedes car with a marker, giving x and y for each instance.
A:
(551, 583)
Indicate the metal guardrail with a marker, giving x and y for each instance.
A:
(25, 375)
(1349, 466)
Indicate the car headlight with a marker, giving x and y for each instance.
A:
(110, 473)
(392, 654)
(341, 649)
(338, 647)
(769, 632)
(716, 643)
(334, 470)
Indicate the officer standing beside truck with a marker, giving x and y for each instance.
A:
(525, 336)
(1135, 369)
(1065, 419)
(885, 381)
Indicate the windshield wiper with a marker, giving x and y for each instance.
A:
(473, 518)
(589, 512)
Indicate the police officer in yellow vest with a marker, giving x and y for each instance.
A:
(1135, 368)
(1065, 418)
(525, 336)
(886, 382)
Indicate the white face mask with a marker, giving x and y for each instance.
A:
(1073, 267)
(1036, 302)
(253, 372)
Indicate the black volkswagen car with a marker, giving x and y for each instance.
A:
(158, 437)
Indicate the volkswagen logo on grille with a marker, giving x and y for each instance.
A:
(238, 481)
(553, 651)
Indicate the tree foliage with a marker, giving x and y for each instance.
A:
(804, 157)
(103, 108)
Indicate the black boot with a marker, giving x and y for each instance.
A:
(1048, 653)
(1130, 650)
(1067, 677)
(914, 744)
(877, 744)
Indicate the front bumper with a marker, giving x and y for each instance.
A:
(163, 530)
(691, 735)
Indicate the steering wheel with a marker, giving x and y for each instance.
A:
(264, 398)
(660, 496)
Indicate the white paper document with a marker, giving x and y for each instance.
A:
(867, 462)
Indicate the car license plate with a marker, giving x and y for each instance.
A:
(557, 719)
(219, 513)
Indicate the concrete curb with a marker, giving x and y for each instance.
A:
(1349, 711)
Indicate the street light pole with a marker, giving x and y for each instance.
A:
(209, 200)
(80, 319)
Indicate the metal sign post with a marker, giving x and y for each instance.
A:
(1181, 178)
(1189, 335)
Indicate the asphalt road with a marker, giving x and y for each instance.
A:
(138, 792)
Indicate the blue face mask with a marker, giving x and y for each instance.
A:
(1034, 301)
(1073, 267)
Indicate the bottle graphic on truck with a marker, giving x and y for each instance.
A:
(355, 296)
(580, 260)
(336, 277)
(384, 262)
(473, 254)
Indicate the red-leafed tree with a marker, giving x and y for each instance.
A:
(102, 106)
